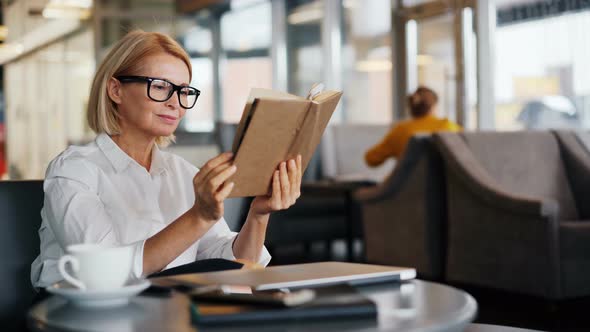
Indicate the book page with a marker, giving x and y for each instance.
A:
(325, 95)
(315, 90)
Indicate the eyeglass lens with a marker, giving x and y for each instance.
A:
(161, 91)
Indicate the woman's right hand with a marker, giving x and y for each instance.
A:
(211, 188)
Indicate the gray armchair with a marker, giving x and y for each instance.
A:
(575, 236)
(404, 217)
(575, 147)
(514, 222)
(20, 207)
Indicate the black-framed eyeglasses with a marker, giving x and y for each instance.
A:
(160, 90)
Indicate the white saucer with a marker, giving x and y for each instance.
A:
(98, 299)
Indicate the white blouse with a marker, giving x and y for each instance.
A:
(98, 194)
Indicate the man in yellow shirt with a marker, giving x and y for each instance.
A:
(422, 105)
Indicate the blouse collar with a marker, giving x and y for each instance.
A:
(121, 160)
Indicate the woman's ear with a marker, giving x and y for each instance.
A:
(114, 90)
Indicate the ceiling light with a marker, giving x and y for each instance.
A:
(68, 9)
(3, 32)
(11, 49)
(306, 13)
(424, 60)
(373, 65)
(308, 16)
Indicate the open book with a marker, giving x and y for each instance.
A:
(275, 127)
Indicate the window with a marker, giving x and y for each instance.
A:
(367, 62)
(246, 62)
(542, 68)
(197, 41)
(304, 48)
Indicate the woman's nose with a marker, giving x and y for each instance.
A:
(172, 102)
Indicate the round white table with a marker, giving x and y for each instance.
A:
(409, 306)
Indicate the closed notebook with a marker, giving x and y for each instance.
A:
(295, 276)
(333, 302)
(275, 127)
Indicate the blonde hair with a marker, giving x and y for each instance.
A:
(126, 58)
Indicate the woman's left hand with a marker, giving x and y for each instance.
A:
(286, 189)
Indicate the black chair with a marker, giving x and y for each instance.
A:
(20, 207)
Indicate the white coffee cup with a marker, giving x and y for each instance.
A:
(97, 267)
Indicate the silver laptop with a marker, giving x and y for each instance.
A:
(299, 275)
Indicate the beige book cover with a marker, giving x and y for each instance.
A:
(277, 126)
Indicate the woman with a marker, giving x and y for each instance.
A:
(122, 190)
(423, 106)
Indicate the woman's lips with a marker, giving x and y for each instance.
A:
(167, 118)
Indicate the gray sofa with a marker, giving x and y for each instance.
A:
(516, 214)
(404, 217)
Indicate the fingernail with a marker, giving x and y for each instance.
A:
(231, 184)
(234, 168)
